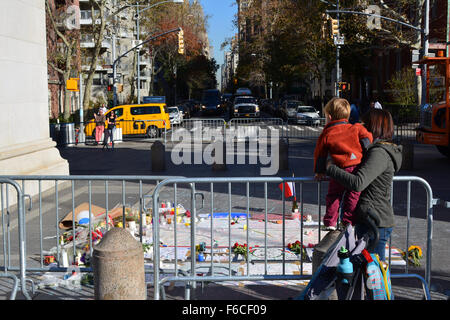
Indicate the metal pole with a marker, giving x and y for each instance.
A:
(338, 76)
(138, 57)
(426, 32)
(114, 83)
(114, 56)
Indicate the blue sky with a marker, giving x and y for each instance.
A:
(220, 24)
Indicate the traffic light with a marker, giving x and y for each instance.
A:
(181, 41)
(344, 86)
(110, 87)
(334, 28)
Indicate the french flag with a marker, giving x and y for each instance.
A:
(289, 189)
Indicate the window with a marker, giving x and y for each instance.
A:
(145, 110)
(119, 112)
(306, 109)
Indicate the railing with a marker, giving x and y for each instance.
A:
(243, 195)
(263, 221)
(41, 224)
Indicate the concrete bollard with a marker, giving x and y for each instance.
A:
(158, 157)
(118, 265)
(319, 252)
(284, 154)
(408, 156)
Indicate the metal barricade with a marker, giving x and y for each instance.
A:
(222, 188)
(198, 129)
(38, 226)
(250, 128)
(308, 131)
(40, 229)
(6, 216)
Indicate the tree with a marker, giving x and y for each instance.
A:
(61, 60)
(98, 34)
(164, 51)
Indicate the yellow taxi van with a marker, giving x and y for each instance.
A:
(150, 119)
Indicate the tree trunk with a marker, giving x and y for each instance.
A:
(132, 96)
(66, 76)
(98, 38)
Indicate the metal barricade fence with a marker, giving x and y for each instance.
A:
(221, 188)
(40, 227)
(198, 129)
(249, 128)
(73, 134)
(309, 131)
(6, 216)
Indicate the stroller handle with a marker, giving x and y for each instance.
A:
(371, 220)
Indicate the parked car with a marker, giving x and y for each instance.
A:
(185, 110)
(308, 115)
(245, 106)
(175, 115)
(289, 109)
(211, 102)
(243, 92)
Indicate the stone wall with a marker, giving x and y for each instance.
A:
(25, 144)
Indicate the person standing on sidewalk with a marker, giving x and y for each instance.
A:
(373, 178)
(111, 119)
(99, 126)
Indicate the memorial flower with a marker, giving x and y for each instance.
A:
(414, 255)
(241, 249)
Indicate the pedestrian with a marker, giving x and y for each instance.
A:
(345, 144)
(103, 108)
(111, 120)
(354, 113)
(374, 178)
(99, 126)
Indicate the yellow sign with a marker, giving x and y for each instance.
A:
(72, 84)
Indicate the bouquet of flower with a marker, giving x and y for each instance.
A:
(241, 249)
(297, 248)
(414, 255)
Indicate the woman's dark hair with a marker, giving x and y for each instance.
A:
(379, 122)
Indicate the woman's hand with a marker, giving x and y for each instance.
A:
(329, 162)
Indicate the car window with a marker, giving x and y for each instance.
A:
(118, 111)
(306, 109)
(245, 100)
(172, 110)
(135, 111)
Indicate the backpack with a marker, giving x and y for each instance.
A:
(378, 279)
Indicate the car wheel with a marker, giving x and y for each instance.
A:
(152, 132)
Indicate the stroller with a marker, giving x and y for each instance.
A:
(349, 271)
